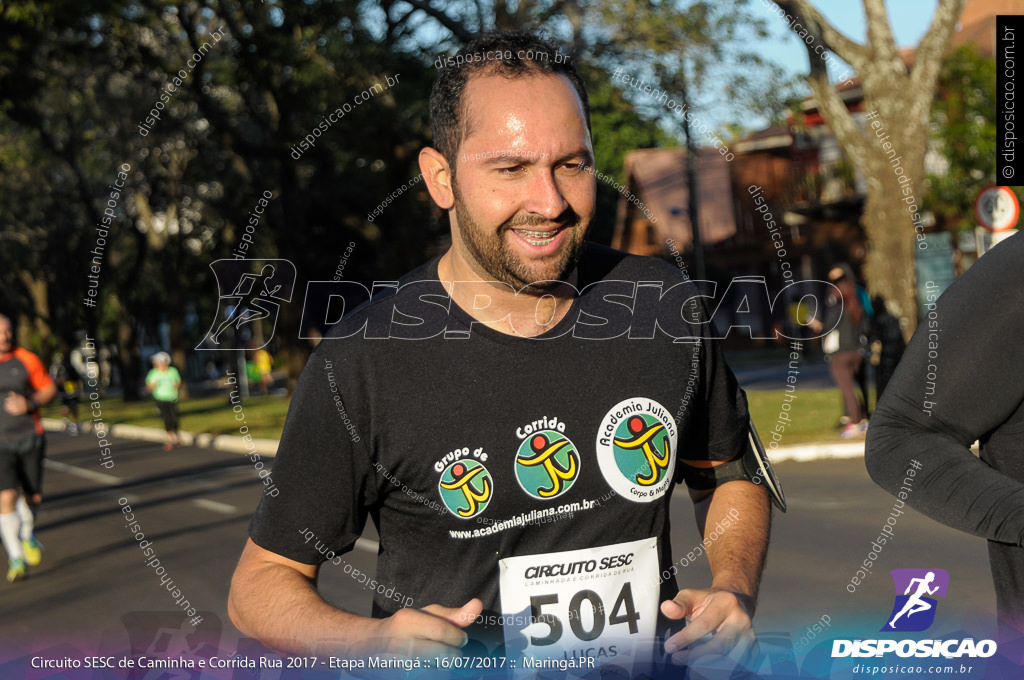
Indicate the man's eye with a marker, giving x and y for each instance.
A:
(579, 167)
(511, 170)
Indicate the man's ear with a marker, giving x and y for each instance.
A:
(438, 177)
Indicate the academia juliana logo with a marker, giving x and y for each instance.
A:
(914, 610)
(465, 488)
(547, 464)
(257, 289)
(636, 449)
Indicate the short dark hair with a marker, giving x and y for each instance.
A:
(513, 54)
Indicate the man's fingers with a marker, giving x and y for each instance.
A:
(707, 612)
(688, 604)
(694, 631)
(460, 616)
(436, 623)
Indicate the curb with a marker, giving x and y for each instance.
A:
(222, 442)
(799, 453)
(802, 453)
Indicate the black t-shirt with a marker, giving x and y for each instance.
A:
(962, 380)
(471, 448)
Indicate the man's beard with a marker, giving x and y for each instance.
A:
(499, 262)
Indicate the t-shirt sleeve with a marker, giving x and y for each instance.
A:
(960, 380)
(716, 428)
(727, 414)
(322, 476)
(37, 375)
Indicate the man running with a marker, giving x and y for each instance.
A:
(24, 387)
(914, 603)
(521, 389)
(252, 306)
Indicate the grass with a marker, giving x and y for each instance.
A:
(812, 417)
(813, 414)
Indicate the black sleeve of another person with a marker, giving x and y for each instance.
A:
(972, 348)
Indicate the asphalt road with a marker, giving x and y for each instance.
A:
(94, 590)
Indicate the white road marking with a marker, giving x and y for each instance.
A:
(215, 506)
(91, 475)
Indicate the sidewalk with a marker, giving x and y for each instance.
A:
(268, 447)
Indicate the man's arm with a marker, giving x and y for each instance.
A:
(961, 379)
(274, 599)
(739, 512)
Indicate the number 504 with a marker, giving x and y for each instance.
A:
(623, 611)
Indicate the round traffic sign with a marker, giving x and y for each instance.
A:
(996, 208)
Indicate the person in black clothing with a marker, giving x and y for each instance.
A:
(502, 412)
(961, 380)
(887, 346)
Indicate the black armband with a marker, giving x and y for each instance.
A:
(751, 465)
(702, 479)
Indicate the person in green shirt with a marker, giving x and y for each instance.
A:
(163, 381)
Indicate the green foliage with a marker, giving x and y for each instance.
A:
(964, 135)
(79, 80)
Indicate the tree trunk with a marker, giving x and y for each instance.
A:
(890, 267)
(128, 353)
(898, 107)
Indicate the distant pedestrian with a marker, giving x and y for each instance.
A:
(264, 364)
(845, 347)
(24, 387)
(163, 381)
(66, 379)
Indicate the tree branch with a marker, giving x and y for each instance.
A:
(928, 61)
(856, 55)
(832, 107)
(879, 31)
(460, 31)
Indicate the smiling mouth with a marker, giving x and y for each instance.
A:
(538, 238)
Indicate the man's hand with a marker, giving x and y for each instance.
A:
(431, 631)
(274, 600)
(722, 614)
(15, 404)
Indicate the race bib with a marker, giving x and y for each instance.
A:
(593, 607)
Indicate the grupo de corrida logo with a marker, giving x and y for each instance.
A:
(465, 488)
(547, 464)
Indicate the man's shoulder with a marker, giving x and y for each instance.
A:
(28, 358)
(602, 263)
(383, 297)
